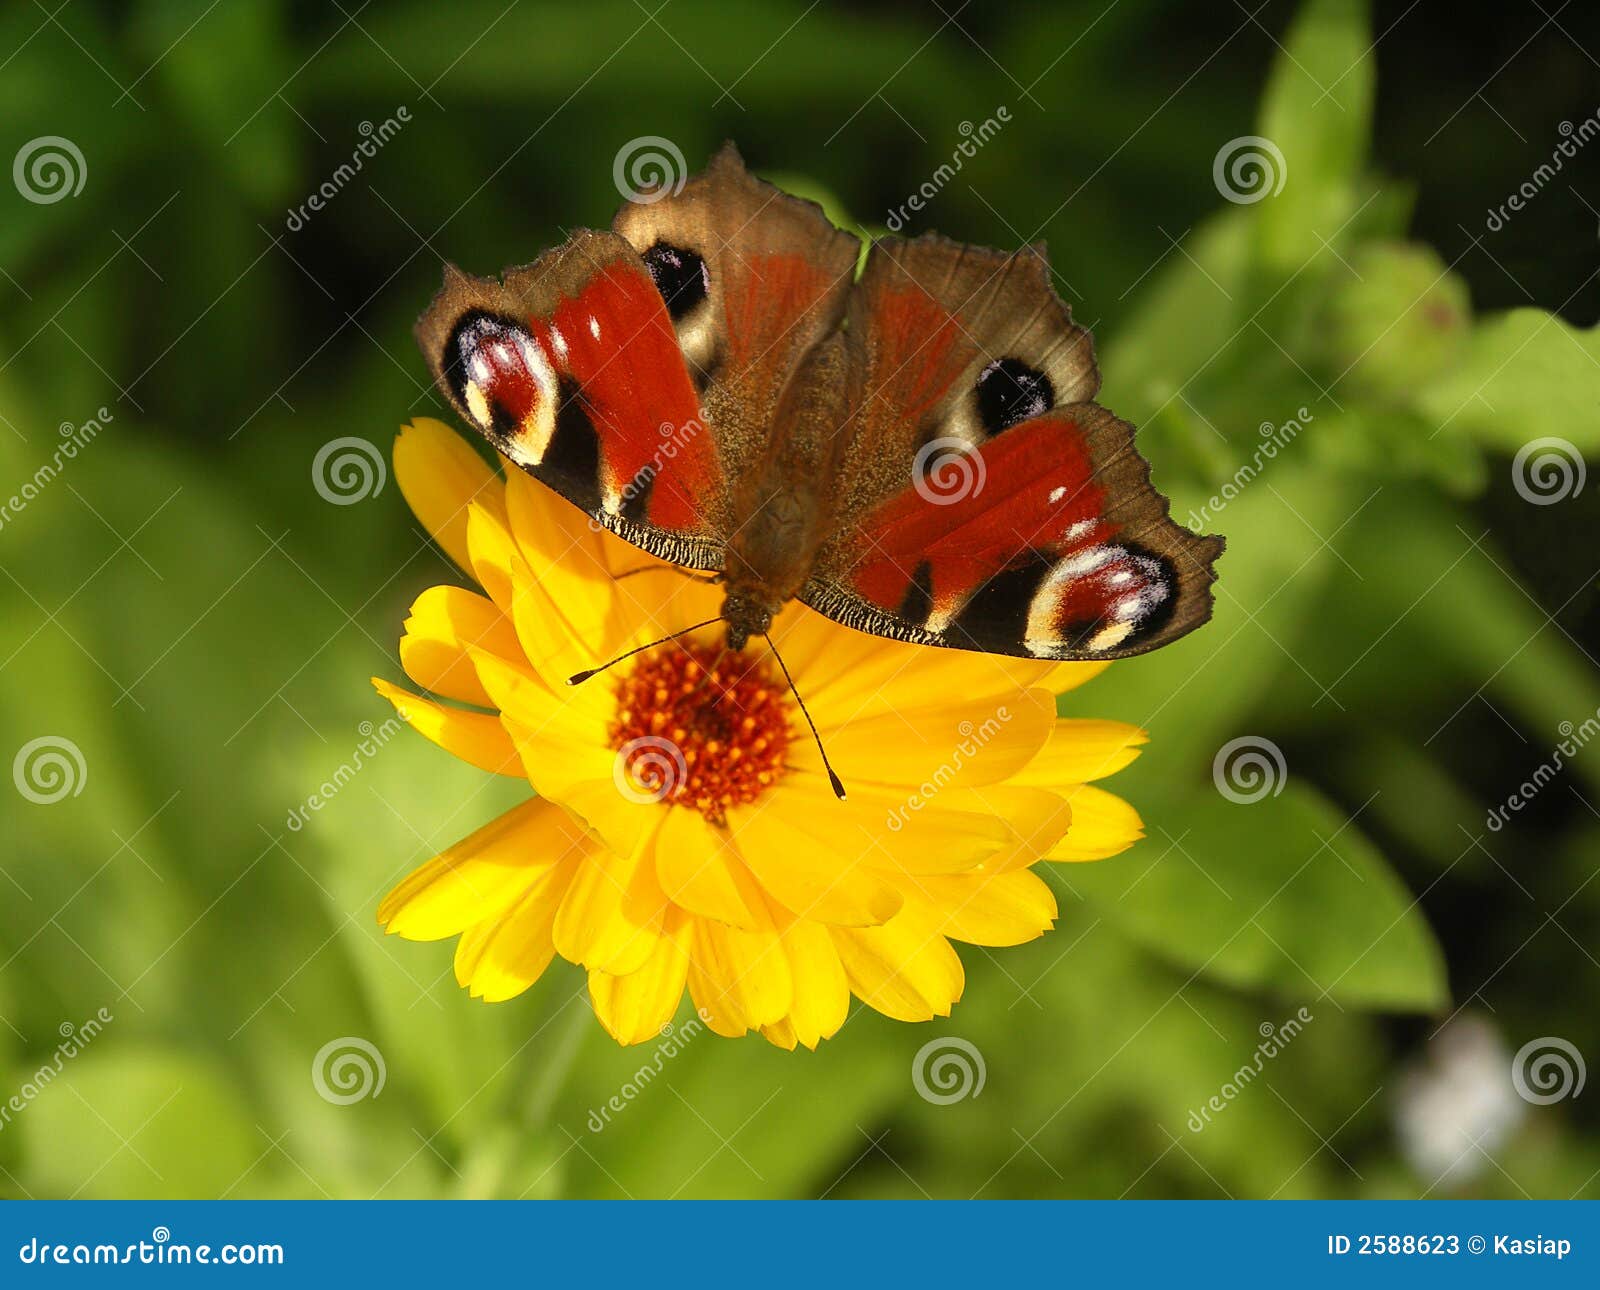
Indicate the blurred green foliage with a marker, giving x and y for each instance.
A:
(182, 605)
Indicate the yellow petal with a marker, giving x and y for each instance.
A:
(610, 918)
(502, 957)
(955, 830)
(988, 908)
(439, 474)
(638, 1006)
(1081, 750)
(794, 850)
(740, 980)
(782, 1034)
(702, 871)
(1034, 820)
(483, 873)
(443, 621)
(962, 742)
(1102, 825)
(1069, 676)
(478, 738)
(904, 969)
(821, 1000)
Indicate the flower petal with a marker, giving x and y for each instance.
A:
(439, 474)
(443, 621)
(1034, 820)
(701, 870)
(638, 1006)
(503, 956)
(904, 969)
(1081, 750)
(1102, 825)
(821, 1000)
(610, 918)
(740, 980)
(793, 849)
(988, 908)
(478, 738)
(483, 873)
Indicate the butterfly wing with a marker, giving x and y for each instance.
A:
(570, 366)
(986, 502)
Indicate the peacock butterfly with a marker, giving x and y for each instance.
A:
(912, 450)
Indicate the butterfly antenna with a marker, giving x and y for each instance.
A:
(577, 678)
(838, 786)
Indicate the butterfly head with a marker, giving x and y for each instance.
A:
(746, 615)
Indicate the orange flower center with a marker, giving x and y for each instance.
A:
(699, 727)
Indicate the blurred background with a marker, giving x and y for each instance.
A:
(1342, 268)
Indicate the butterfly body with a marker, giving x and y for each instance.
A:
(913, 452)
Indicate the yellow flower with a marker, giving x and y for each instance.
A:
(683, 831)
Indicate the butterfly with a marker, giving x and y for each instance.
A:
(911, 449)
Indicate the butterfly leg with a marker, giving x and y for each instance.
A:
(694, 575)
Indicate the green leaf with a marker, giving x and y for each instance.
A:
(1525, 374)
(1318, 113)
(1283, 893)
